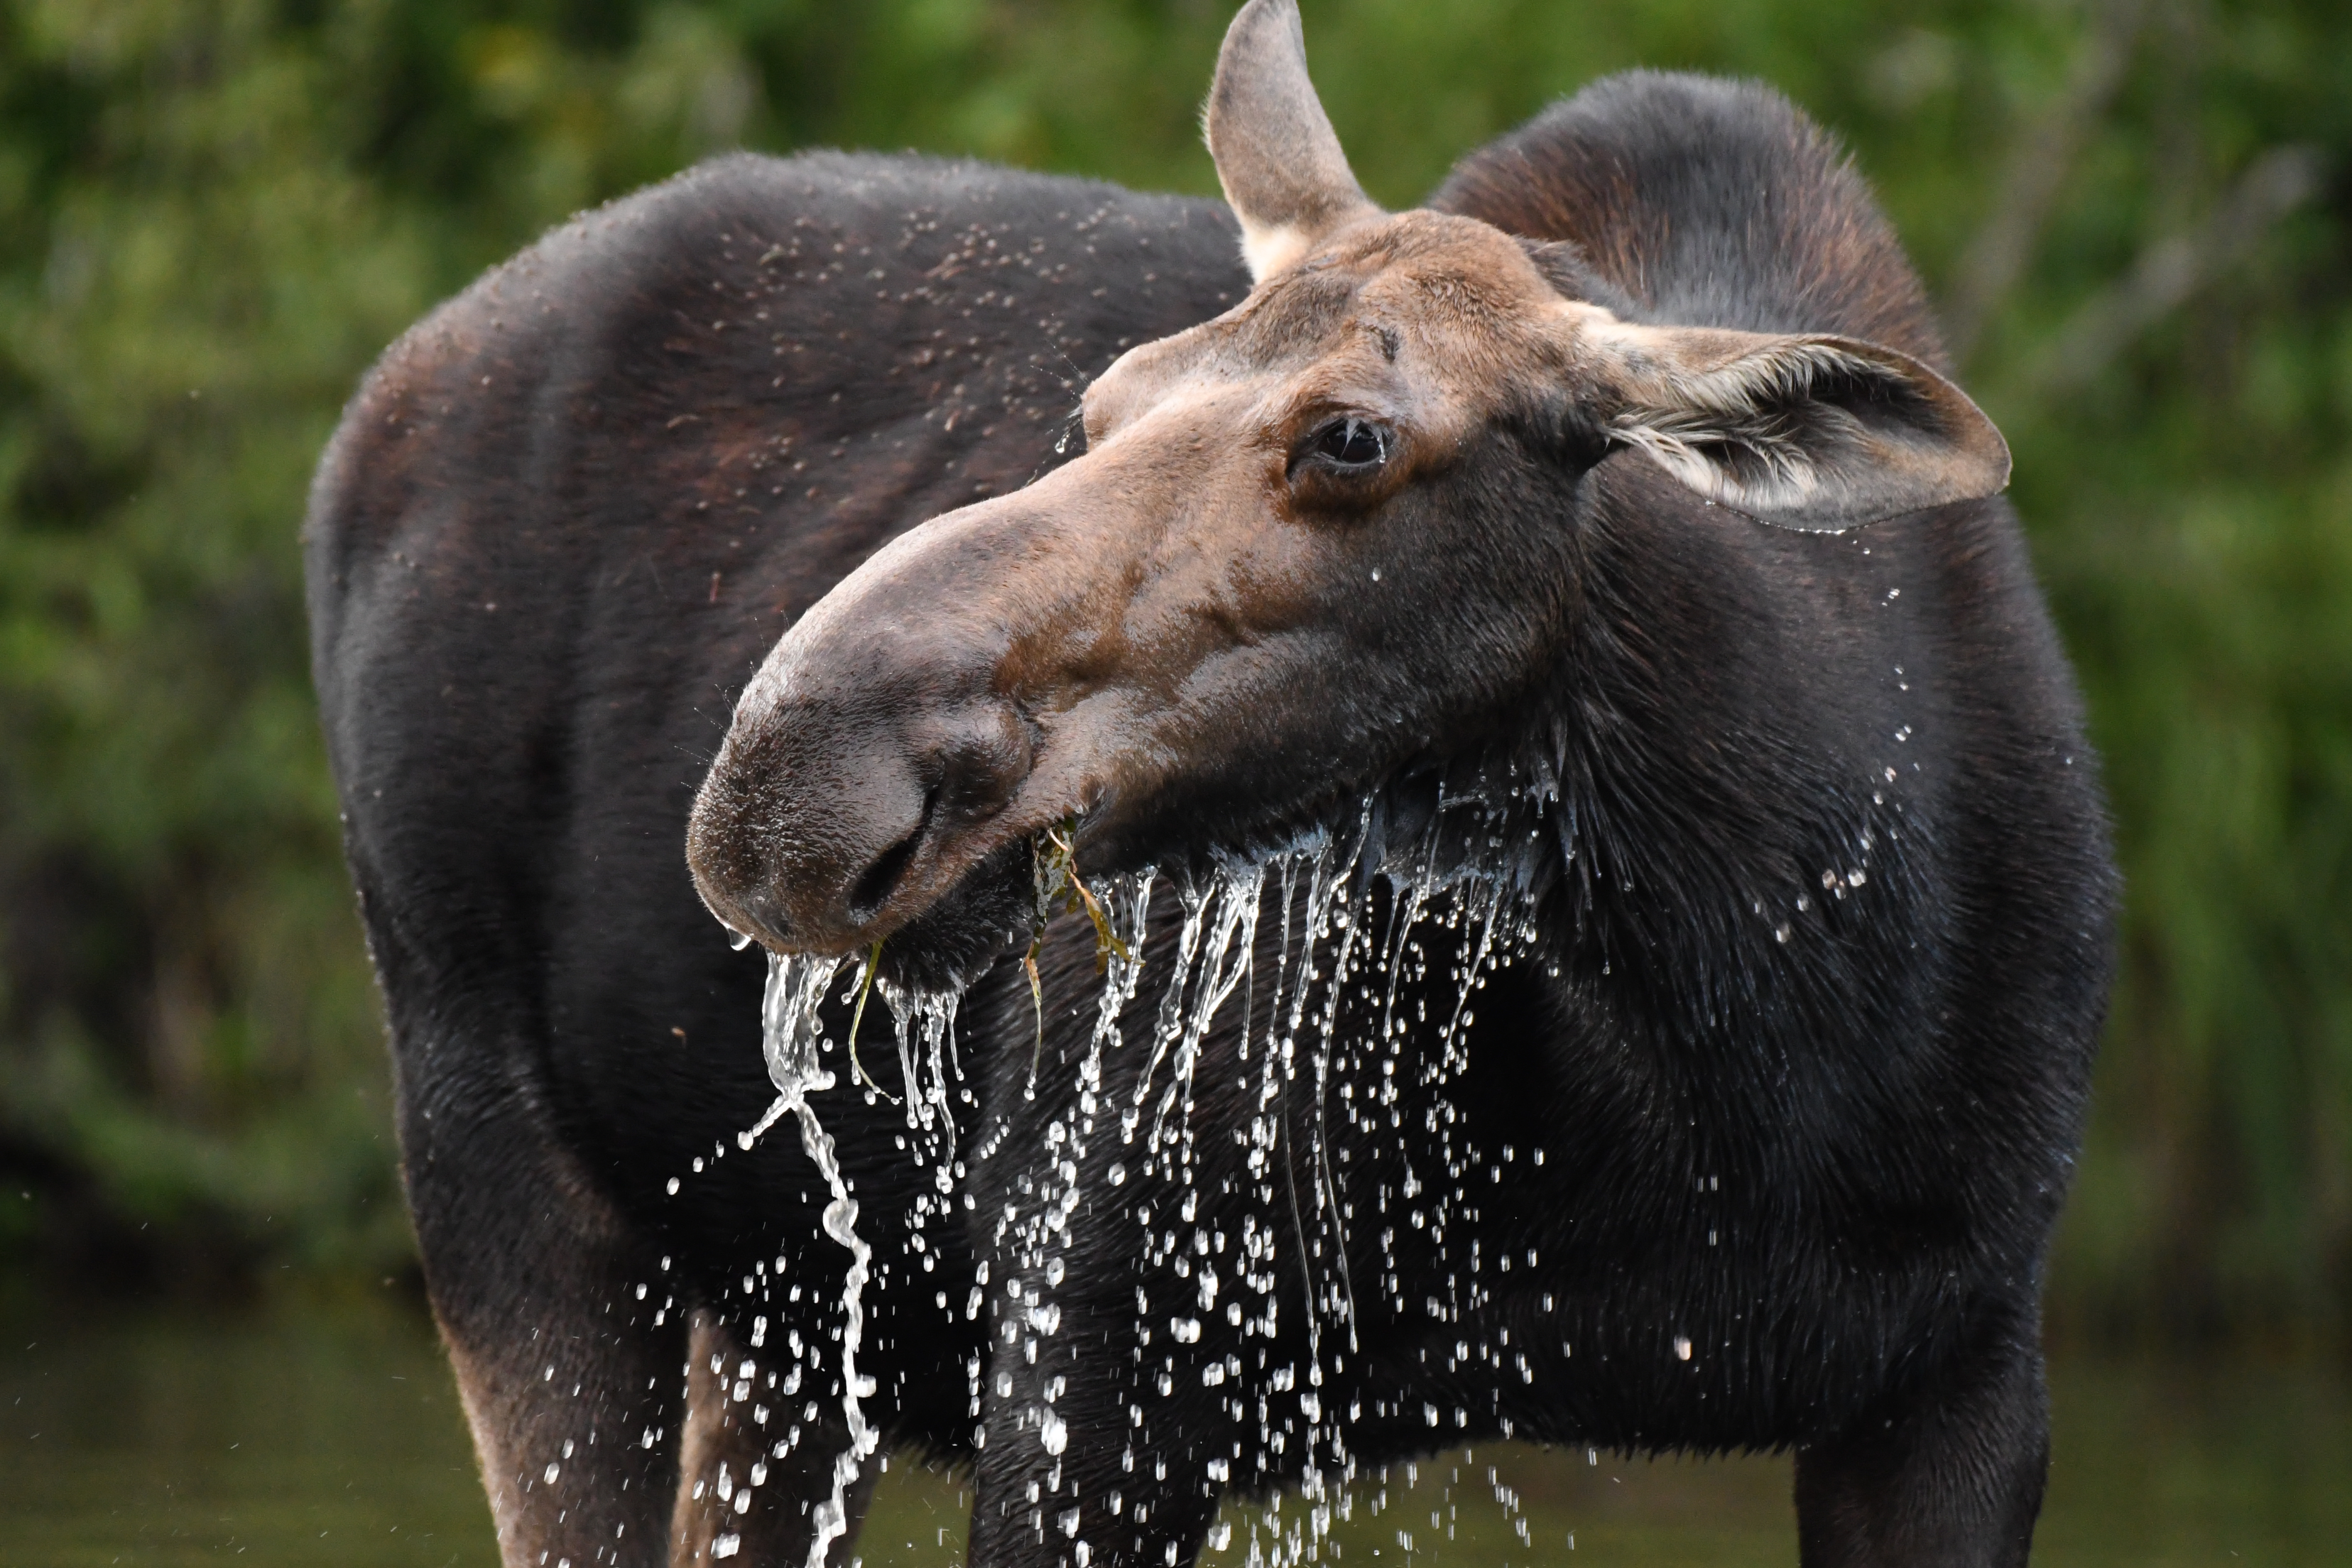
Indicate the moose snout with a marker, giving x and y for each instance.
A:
(832, 815)
(915, 721)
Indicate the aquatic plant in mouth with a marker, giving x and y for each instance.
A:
(864, 990)
(1053, 859)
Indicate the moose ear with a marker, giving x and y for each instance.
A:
(1276, 155)
(1809, 432)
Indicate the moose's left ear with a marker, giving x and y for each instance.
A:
(1276, 155)
(1809, 432)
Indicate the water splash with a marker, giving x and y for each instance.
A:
(1335, 979)
(791, 1040)
(1361, 1000)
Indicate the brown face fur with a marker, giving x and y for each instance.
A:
(1139, 623)
(1421, 320)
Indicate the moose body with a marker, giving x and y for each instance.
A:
(1755, 1143)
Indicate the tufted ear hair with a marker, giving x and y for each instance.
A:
(1276, 155)
(1807, 431)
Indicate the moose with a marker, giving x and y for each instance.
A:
(902, 540)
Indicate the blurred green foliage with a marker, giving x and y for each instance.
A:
(215, 212)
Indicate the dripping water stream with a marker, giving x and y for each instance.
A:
(790, 1039)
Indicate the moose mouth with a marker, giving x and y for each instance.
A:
(1481, 815)
(988, 913)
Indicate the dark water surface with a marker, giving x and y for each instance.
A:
(315, 1436)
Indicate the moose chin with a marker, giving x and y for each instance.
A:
(1484, 834)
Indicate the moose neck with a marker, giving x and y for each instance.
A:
(1739, 800)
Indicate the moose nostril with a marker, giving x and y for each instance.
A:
(874, 887)
(974, 775)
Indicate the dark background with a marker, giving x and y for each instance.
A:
(213, 214)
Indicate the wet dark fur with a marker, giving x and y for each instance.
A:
(557, 532)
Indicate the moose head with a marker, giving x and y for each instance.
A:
(1324, 538)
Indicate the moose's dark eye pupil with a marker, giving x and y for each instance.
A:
(1353, 442)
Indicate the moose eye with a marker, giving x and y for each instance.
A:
(1352, 444)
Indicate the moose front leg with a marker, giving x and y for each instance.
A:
(1096, 1431)
(1952, 1477)
(1068, 1475)
(570, 1376)
(1122, 1394)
